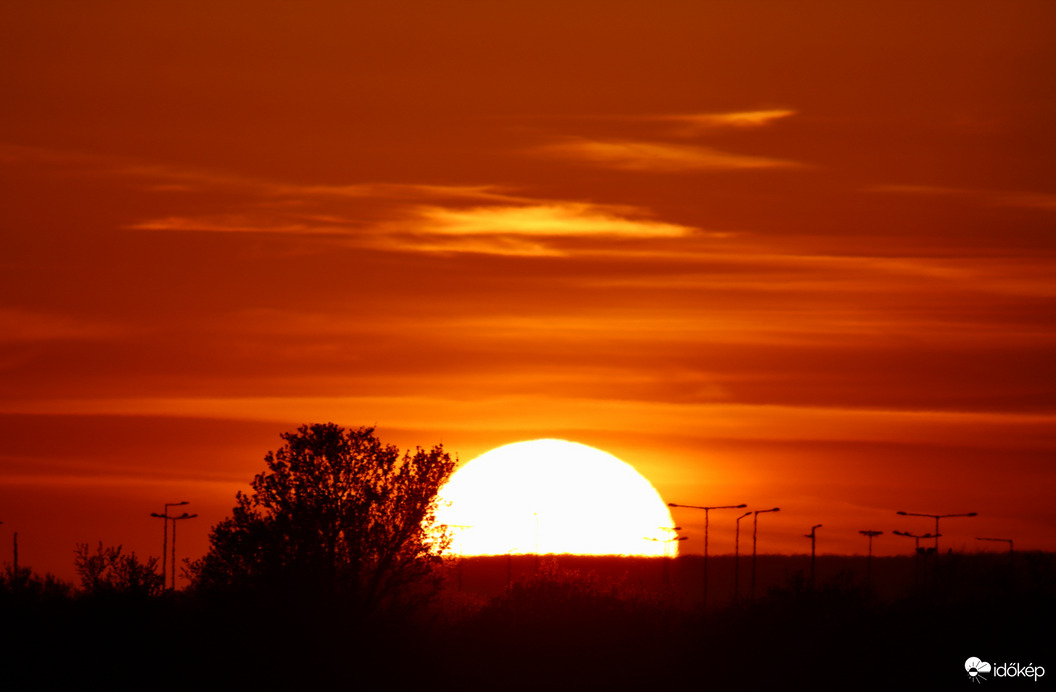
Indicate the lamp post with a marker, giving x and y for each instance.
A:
(461, 557)
(536, 541)
(869, 559)
(812, 538)
(755, 533)
(916, 551)
(667, 541)
(673, 530)
(737, 559)
(915, 537)
(706, 522)
(936, 517)
(165, 536)
(1011, 559)
(174, 520)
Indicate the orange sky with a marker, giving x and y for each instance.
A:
(796, 254)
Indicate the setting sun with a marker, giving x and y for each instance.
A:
(553, 496)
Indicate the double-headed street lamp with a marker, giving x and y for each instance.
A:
(916, 550)
(813, 541)
(165, 538)
(737, 559)
(668, 541)
(1011, 558)
(165, 535)
(174, 520)
(869, 560)
(936, 517)
(755, 533)
(915, 537)
(673, 530)
(461, 558)
(706, 522)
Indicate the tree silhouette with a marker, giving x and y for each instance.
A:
(337, 518)
(109, 573)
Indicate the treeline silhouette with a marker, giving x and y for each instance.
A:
(325, 575)
(573, 622)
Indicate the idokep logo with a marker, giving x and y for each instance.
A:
(977, 667)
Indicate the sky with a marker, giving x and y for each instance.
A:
(782, 254)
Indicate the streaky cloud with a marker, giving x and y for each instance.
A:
(231, 223)
(554, 219)
(725, 419)
(1003, 198)
(694, 124)
(18, 325)
(655, 157)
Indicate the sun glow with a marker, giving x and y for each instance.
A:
(553, 496)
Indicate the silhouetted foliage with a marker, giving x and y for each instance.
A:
(554, 595)
(594, 623)
(338, 517)
(109, 573)
(27, 587)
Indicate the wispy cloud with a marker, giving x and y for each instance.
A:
(696, 124)
(725, 420)
(1004, 198)
(25, 325)
(174, 178)
(553, 219)
(520, 229)
(405, 217)
(693, 124)
(1029, 200)
(234, 223)
(655, 157)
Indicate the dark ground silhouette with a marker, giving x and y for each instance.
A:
(570, 623)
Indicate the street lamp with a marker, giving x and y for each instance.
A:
(536, 541)
(915, 537)
(667, 541)
(673, 530)
(461, 557)
(706, 522)
(936, 517)
(869, 560)
(1011, 559)
(812, 538)
(916, 551)
(174, 520)
(165, 535)
(737, 559)
(755, 532)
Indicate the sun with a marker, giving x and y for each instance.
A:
(554, 496)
